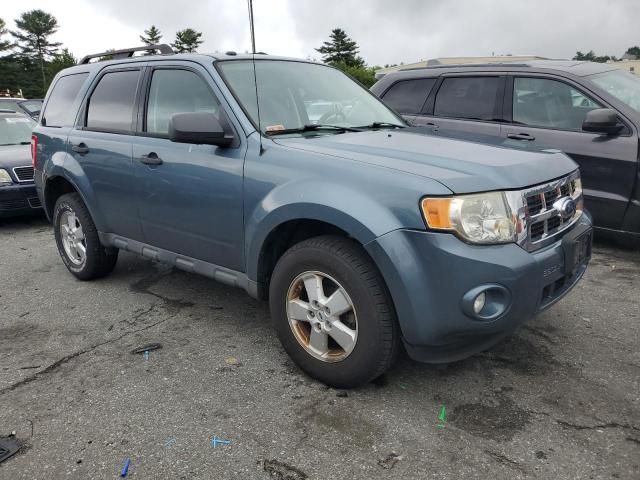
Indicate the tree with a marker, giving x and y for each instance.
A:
(151, 37)
(187, 41)
(4, 44)
(590, 56)
(633, 51)
(34, 29)
(340, 50)
(365, 75)
(60, 61)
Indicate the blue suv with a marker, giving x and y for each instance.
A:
(364, 234)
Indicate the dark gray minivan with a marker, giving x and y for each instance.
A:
(590, 111)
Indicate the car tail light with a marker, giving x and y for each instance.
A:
(34, 149)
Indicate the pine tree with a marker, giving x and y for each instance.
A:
(151, 37)
(34, 29)
(187, 41)
(4, 44)
(340, 50)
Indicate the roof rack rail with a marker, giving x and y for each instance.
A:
(163, 48)
(456, 65)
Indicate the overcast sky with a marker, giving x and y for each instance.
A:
(386, 31)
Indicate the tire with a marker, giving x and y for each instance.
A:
(97, 260)
(371, 342)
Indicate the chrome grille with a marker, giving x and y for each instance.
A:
(542, 219)
(23, 174)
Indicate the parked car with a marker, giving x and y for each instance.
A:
(17, 190)
(590, 111)
(29, 107)
(361, 233)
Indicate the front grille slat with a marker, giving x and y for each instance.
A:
(23, 174)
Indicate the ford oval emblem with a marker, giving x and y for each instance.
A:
(566, 207)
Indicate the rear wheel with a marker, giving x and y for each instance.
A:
(78, 242)
(332, 312)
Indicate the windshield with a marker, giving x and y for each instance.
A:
(15, 130)
(622, 85)
(32, 106)
(297, 94)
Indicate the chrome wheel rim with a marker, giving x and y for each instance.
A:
(73, 239)
(322, 316)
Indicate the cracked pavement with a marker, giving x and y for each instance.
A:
(558, 399)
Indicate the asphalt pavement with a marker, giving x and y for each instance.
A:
(559, 399)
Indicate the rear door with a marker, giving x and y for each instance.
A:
(549, 111)
(101, 145)
(190, 196)
(465, 103)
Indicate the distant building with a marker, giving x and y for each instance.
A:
(458, 61)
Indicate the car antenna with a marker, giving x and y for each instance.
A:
(255, 76)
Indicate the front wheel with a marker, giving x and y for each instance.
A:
(78, 242)
(332, 311)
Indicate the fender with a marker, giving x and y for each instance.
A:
(63, 165)
(352, 210)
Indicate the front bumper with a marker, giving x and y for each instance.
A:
(428, 275)
(19, 200)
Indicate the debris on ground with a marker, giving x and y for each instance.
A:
(147, 348)
(282, 471)
(8, 447)
(342, 393)
(231, 361)
(170, 442)
(390, 460)
(442, 417)
(215, 441)
(125, 467)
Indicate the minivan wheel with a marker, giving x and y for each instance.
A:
(77, 240)
(332, 311)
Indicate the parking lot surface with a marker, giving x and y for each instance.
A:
(558, 399)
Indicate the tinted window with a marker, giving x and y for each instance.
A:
(408, 96)
(541, 102)
(174, 91)
(58, 112)
(474, 98)
(111, 104)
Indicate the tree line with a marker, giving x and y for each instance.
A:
(591, 56)
(29, 58)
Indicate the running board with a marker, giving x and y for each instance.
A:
(193, 265)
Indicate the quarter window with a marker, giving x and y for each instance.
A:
(541, 102)
(473, 98)
(59, 112)
(408, 96)
(176, 91)
(111, 104)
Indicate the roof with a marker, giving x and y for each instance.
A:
(573, 67)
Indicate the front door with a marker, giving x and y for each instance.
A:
(190, 196)
(550, 112)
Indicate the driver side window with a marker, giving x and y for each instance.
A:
(542, 102)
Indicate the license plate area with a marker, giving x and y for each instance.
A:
(577, 250)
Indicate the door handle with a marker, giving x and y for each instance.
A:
(151, 159)
(521, 136)
(80, 148)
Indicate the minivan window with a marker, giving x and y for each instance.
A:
(542, 102)
(58, 112)
(176, 91)
(111, 104)
(408, 96)
(473, 98)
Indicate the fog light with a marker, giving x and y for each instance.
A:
(478, 303)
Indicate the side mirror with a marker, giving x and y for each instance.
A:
(198, 128)
(602, 120)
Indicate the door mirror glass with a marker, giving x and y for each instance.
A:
(602, 120)
(198, 128)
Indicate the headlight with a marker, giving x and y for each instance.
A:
(481, 218)
(5, 179)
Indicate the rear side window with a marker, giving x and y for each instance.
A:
(58, 112)
(176, 91)
(473, 98)
(408, 96)
(111, 104)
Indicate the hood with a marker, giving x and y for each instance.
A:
(15, 156)
(464, 166)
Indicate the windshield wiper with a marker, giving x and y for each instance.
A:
(313, 127)
(382, 125)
